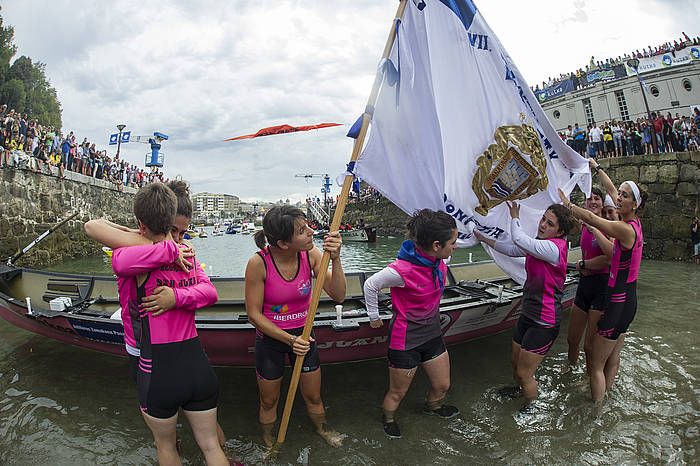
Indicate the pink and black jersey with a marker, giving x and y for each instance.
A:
(591, 249)
(286, 302)
(127, 263)
(624, 264)
(416, 305)
(192, 289)
(544, 287)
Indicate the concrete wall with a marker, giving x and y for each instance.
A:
(30, 203)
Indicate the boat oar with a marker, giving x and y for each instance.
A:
(337, 217)
(11, 260)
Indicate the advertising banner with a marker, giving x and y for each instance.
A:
(667, 60)
(553, 92)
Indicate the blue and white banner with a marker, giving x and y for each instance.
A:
(113, 139)
(660, 62)
(126, 136)
(552, 92)
(457, 128)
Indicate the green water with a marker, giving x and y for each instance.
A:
(68, 406)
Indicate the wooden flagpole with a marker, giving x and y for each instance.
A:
(337, 217)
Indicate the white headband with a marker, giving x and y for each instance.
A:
(635, 192)
(609, 201)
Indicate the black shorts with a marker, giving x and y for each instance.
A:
(411, 358)
(620, 309)
(591, 291)
(178, 376)
(533, 337)
(270, 355)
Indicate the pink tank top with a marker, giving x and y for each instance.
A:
(591, 249)
(286, 302)
(544, 287)
(416, 305)
(624, 264)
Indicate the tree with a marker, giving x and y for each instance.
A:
(23, 84)
(12, 93)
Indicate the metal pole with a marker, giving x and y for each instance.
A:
(119, 139)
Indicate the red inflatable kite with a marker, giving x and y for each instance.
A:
(281, 129)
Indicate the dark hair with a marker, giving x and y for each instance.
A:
(155, 205)
(182, 192)
(598, 192)
(427, 226)
(564, 218)
(644, 196)
(278, 225)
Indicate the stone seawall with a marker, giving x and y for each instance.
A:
(31, 203)
(672, 181)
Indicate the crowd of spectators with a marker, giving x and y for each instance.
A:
(616, 139)
(26, 144)
(577, 76)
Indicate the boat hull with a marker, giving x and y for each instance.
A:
(468, 311)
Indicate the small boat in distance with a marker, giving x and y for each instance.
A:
(202, 233)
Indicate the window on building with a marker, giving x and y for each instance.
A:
(622, 105)
(654, 90)
(687, 85)
(556, 114)
(588, 109)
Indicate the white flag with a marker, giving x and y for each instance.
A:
(457, 128)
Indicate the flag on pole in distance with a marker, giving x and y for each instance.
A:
(460, 130)
(113, 138)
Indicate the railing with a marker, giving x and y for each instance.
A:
(317, 211)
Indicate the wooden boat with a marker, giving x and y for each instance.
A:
(478, 301)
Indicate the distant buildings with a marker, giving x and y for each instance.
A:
(672, 90)
(208, 205)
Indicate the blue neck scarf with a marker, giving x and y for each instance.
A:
(408, 253)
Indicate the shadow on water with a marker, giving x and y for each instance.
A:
(64, 405)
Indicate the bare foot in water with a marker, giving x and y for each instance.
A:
(332, 438)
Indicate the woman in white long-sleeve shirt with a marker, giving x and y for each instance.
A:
(416, 278)
(540, 310)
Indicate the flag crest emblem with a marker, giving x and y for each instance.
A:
(503, 171)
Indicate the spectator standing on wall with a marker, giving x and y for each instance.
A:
(595, 138)
(658, 122)
(579, 139)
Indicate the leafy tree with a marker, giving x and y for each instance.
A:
(23, 84)
(12, 93)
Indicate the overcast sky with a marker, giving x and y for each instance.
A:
(202, 71)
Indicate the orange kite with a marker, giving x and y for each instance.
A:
(281, 129)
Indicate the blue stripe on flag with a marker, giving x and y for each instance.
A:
(464, 9)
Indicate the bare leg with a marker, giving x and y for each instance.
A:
(267, 415)
(602, 348)
(204, 428)
(310, 383)
(577, 327)
(164, 434)
(438, 372)
(593, 318)
(527, 365)
(613, 363)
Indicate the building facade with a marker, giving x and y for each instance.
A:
(675, 90)
(207, 205)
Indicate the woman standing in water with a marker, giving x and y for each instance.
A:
(540, 314)
(621, 297)
(277, 298)
(417, 279)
